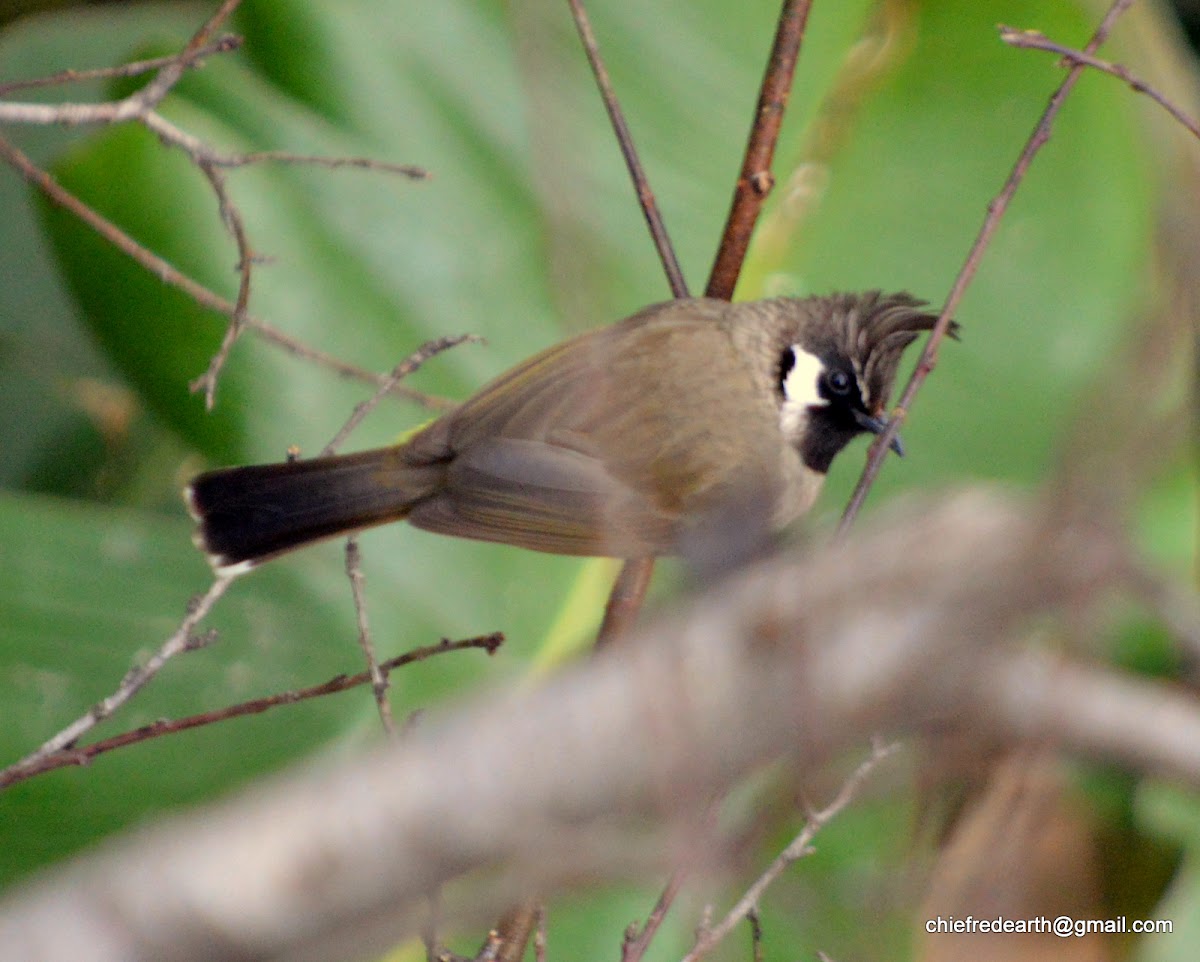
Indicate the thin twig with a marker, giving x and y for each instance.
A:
(629, 590)
(411, 171)
(637, 940)
(136, 104)
(388, 384)
(641, 184)
(166, 78)
(756, 935)
(168, 274)
(797, 849)
(755, 181)
(183, 639)
(232, 219)
(140, 107)
(198, 150)
(353, 560)
(995, 211)
(379, 680)
(84, 755)
(1034, 40)
(223, 44)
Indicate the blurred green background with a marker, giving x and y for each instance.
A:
(906, 118)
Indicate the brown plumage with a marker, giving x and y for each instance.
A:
(616, 442)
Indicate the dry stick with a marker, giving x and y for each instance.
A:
(354, 572)
(995, 210)
(379, 680)
(411, 171)
(168, 274)
(402, 370)
(209, 161)
(353, 559)
(136, 104)
(798, 848)
(232, 218)
(170, 74)
(182, 640)
(199, 151)
(223, 44)
(756, 180)
(658, 228)
(1033, 40)
(756, 935)
(84, 755)
(629, 589)
(140, 107)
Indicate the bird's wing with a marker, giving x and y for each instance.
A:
(588, 449)
(546, 497)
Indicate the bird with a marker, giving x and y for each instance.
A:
(624, 441)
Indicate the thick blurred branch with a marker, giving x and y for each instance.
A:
(801, 657)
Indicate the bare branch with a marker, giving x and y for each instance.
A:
(755, 181)
(637, 939)
(796, 657)
(134, 68)
(379, 680)
(137, 104)
(641, 184)
(183, 639)
(1034, 40)
(83, 755)
(140, 107)
(168, 274)
(797, 849)
(995, 211)
(232, 219)
(402, 370)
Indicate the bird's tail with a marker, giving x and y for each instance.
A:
(248, 515)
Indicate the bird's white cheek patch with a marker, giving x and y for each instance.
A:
(800, 390)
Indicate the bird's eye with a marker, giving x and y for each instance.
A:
(839, 382)
(787, 361)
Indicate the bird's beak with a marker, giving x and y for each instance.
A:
(877, 425)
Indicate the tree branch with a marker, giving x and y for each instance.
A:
(802, 657)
